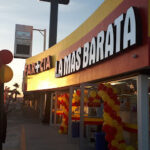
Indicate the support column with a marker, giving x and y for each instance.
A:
(41, 107)
(44, 101)
(55, 109)
(51, 108)
(143, 112)
(1, 113)
(53, 23)
(70, 112)
(82, 117)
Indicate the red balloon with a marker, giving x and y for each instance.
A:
(97, 97)
(105, 104)
(109, 145)
(107, 109)
(6, 56)
(110, 91)
(66, 96)
(100, 87)
(108, 138)
(78, 92)
(91, 99)
(114, 148)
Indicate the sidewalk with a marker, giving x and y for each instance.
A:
(47, 138)
(26, 133)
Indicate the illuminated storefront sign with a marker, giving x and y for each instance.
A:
(120, 35)
(39, 66)
(23, 41)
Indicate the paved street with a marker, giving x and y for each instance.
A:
(25, 132)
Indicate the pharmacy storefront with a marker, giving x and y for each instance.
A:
(95, 83)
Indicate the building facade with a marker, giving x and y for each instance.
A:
(97, 78)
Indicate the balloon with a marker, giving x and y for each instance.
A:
(109, 146)
(105, 97)
(97, 97)
(100, 87)
(114, 143)
(73, 100)
(77, 98)
(90, 99)
(115, 90)
(66, 96)
(96, 101)
(85, 99)
(112, 122)
(78, 92)
(122, 146)
(114, 148)
(74, 94)
(6, 74)
(60, 131)
(93, 93)
(119, 136)
(109, 91)
(108, 85)
(108, 138)
(130, 148)
(99, 93)
(6, 56)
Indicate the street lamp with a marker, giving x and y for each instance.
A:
(53, 19)
(6, 75)
(43, 32)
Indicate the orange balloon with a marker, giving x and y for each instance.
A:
(6, 74)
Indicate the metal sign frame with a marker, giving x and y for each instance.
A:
(65, 2)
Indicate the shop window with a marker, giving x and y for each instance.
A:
(59, 110)
(124, 120)
(56, 109)
(93, 119)
(127, 95)
(63, 109)
(76, 105)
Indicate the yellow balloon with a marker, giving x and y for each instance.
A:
(105, 97)
(117, 108)
(115, 143)
(100, 93)
(122, 146)
(119, 137)
(60, 132)
(130, 148)
(73, 100)
(95, 100)
(6, 74)
(110, 103)
(59, 98)
(108, 85)
(65, 130)
(74, 94)
(85, 99)
(93, 93)
(77, 98)
(115, 90)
